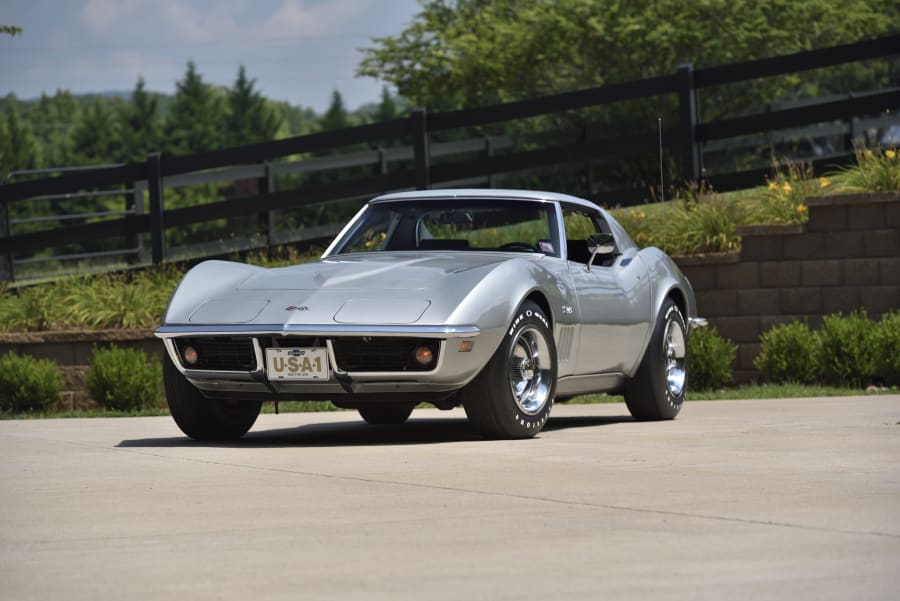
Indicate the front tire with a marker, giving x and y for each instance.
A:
(513, 394)
(202, 418)
(386, 414)
(658, 388)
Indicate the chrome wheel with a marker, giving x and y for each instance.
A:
(676, 350)
(530, 370)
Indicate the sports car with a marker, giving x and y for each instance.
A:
(499, 301)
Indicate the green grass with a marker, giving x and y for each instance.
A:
(755, 391)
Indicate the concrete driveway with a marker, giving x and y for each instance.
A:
(775, 499)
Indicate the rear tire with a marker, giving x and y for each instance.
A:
(513, 394)
(386, 414)
(202, 418)
(658, 388)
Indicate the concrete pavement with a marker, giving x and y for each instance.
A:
(773, 499)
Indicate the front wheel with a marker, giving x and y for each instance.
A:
(202, 418)
(657, 390)
(513, 394)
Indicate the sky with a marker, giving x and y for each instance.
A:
(299, 51)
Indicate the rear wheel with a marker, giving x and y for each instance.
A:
(657, 390)
(386, 414)
(202, 418)
(513, 394)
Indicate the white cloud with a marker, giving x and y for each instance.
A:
(103, 16)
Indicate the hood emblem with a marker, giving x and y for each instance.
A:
(294, 308)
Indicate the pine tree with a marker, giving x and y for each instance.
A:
(141, 127)
(95, 139)
(195, 120)
(387, 108)
(249, 117)
(18, 145)
(336, 116)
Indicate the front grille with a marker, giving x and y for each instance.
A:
(374, 353)
(219, 353)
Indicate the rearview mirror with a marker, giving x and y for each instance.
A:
(600, 244)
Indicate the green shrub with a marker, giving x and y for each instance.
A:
(887, 345)
(124, 379)
(28, 384)
(849, 355)
(790, 353)
(711, 357)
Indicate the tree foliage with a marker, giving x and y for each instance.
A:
(249, 117)
(464, 53)
(194, 121)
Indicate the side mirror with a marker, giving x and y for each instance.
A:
(600, 244)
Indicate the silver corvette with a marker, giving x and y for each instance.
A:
(501, 301)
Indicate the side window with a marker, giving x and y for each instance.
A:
(580, 224)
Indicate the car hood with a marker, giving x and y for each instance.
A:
(378, 271)
(377, 288)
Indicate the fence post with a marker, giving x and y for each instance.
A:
(420, 148)
(157, 208)
(265, 185)
(6, 261)
(692, 159)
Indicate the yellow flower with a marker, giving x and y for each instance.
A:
(786, 186)
(643, 214)
(772, 185)
(801, 209)
(824, 182)
(891, 154)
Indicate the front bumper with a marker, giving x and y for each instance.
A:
(453, 368)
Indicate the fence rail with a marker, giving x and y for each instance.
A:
(420, 163)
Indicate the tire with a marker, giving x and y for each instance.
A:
(512, 396)
(386, 414)
(657, 390)
(202, 418)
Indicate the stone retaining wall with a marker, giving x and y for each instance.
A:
(846, 257)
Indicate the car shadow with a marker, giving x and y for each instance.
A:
(416, 431)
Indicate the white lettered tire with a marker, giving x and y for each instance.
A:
(658, 388)
(513, 395)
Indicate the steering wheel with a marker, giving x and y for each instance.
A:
(517, 246)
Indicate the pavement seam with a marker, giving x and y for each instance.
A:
(552, 500)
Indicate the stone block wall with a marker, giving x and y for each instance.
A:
(846, 257)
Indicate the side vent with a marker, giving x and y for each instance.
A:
(564, 343)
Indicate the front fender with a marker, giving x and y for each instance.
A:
(205, 281)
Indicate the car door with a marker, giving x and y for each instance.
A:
(613, 296)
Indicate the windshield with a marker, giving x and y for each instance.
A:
(460, 224)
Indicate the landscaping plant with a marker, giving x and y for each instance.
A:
(124, 379)
(711, 357)
(790, 352)
(28, 384)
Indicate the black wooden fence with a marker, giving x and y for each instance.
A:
(686, 140)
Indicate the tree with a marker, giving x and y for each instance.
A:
(11, 30)
(464, 53)
(387, 108)
(140, 125)
(249, 117)
(95, 139)
(336, 116)
(194, 123)
(18, 146)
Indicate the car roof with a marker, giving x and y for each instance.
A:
(485, 194)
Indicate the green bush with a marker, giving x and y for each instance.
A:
(887, 345)
(124, 379)
(790, 353)
(28, 384)
(849, 355)
(710, 358)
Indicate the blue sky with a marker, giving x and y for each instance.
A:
(297, 50)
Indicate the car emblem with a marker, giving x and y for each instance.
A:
(294, 308)
(295, 352)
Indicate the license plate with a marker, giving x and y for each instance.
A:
(297, 363)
